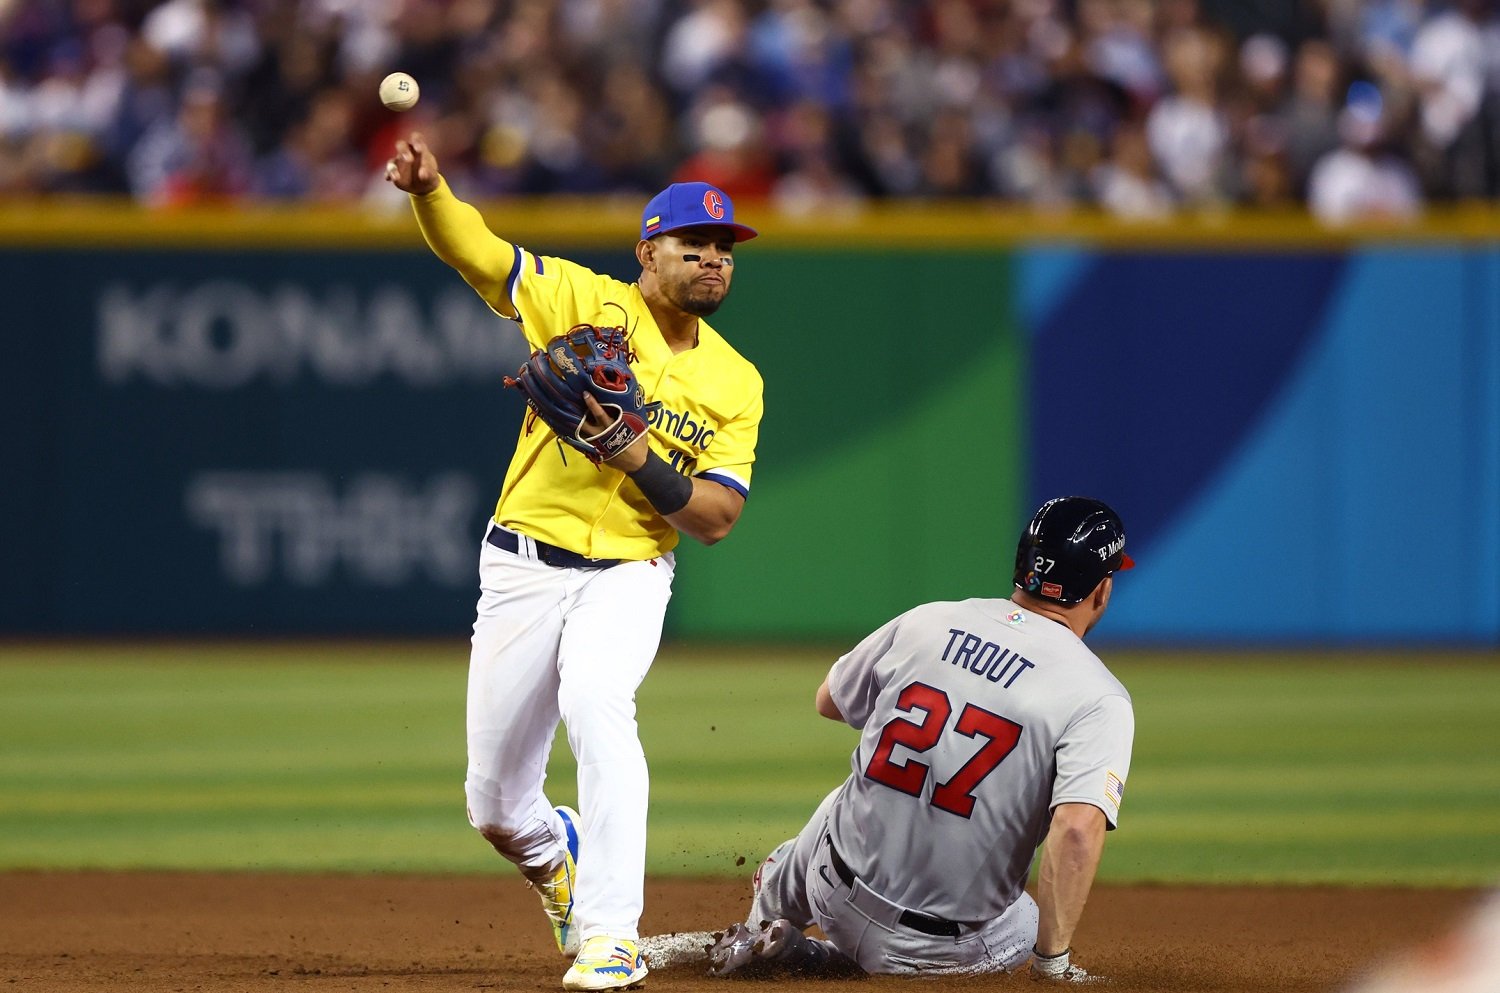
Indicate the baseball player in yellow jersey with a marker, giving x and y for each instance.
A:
(576, 567)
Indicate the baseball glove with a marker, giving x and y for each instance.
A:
(587, 361)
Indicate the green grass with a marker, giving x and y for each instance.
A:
(1251, 768)
(1300, 768)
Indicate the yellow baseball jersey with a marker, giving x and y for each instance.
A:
(706, 425)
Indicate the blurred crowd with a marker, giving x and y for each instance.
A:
(1144, 108)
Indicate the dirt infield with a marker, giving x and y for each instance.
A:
(224, 933)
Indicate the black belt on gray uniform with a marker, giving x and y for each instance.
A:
(559, 558)
(925, 923)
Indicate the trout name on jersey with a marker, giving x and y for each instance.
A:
(984, 658)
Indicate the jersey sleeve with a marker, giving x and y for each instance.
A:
(853, 682)
(457, 234)
(550, 295)
(729, 458)
(1093, 757)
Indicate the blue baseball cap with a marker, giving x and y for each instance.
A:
(686, 205)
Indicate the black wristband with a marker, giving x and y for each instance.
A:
(667, 489)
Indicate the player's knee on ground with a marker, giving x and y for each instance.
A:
(774, 891)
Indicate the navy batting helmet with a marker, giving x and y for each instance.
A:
(1069, 546)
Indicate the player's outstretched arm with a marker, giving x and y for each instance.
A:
(455, 231)
(1070, 857)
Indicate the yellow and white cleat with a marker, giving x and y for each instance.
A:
(557, 892)
(606, 963)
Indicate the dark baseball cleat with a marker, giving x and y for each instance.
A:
(776, 948)
(731, 950)
(784, 945)
(781, 941)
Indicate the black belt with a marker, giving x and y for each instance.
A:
(925, 923)
(559, 558)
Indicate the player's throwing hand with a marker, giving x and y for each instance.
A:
(414, 168)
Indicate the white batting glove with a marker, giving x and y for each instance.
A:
(1059, 968)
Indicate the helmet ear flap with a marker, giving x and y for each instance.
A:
(1031, 568)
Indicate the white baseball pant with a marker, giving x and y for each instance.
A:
(573, 645)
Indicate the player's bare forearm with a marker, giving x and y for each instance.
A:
(454, 230)
(705, 511)
(710, 514)
(824, 703)
(1070, 857)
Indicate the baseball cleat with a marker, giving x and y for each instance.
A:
(782, 941)
(775, 947)
(557, 892)
(606, 963)
(731, 950)
(1074, 974)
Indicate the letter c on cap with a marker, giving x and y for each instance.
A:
(714, 204)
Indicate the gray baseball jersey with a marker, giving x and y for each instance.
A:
(978, 717)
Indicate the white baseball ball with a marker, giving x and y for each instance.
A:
(398, 91)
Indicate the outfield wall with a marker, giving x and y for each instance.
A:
(214, 427)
